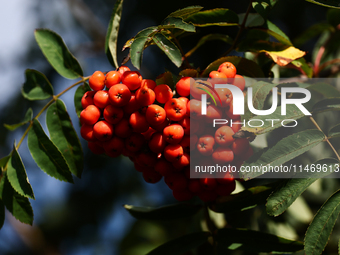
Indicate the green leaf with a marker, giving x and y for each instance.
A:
(210, 37)
(112, 33)
(28, 117)
(303, 65)
(182, 244)
(253, 19)
(261, 90)
(328, 104)
(46, 154)
(188, 73)
(325, 89)
(326, 3)
(166, 78)
(286, 149)
(278, 33)
(81, 90)
(292, 113)
(334, 132)
(2, 213)
(185, 12)
(321, 227)
(173, 22)
(214, 17)
(138, 44)
(17, 176)
(168, 212)
(263, 7)
(312, 31)
(36, 86)
(57, 54)
(254, 242)
(242, 201)
(244, 66)
(65, 137)
(169, 48)
(17, 205)
(289, 190)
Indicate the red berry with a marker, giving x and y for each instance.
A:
(174, 133)
(175, 109)
(163, 93)
(97, 81)
(112, 78)
(120, 95)
(132, 79)
(90, 115)
(103, 130)
(113, 114)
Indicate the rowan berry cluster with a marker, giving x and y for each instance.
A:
(125, 114)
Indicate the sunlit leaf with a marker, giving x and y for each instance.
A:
(303, 65)
(57, 54)
(17, 176)
(326, 3)
(174, 22)
(185, 12)
(169, 48)
(65, 137)
(36, 86)
(28, 117)
(321, 227)
(263, 7)
(46, 154)
(111, 40)
(214, 17)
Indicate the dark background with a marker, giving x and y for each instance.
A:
(88, 217)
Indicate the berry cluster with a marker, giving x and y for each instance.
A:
(125, 114)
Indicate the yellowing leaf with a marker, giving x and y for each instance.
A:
(285, 56)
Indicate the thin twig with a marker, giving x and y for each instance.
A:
(326, 138)
(55, 98)
(242, 27)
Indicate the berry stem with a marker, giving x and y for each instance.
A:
(54, 98)
(242, 27)
(326, 138)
